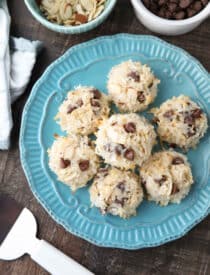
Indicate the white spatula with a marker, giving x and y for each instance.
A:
(18, 236)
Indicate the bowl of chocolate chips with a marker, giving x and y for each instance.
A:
(171, 17)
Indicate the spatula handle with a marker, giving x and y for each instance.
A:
(56, 262)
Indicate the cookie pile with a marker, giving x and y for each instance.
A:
(120, 160)
(73, 158)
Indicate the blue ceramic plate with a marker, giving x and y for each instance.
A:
(89, 64)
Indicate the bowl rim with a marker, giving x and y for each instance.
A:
(74, 29)
(204, 13)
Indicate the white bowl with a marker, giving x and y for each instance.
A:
(166, 26)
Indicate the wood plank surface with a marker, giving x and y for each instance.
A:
(187, 256)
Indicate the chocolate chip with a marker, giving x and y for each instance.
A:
(172, 7)
(146, 3)
(162, 180)
(119, 148)
(64, 163)
(185, 3)
(121, 201)
(94, 103)
(189, 119)
(168, 114)
(180, 15)
(204, 2)
(143, 182)
(191, 12)
(114, 123)
(168, 14)
(197, 6)
(70, 109)
(162, 2)
(96, 94)
(177, 160)
(134, 75)
(197, 113)
(79, 102)
(129, 154)
(162, 12)
(173, 145)
(84, 165)
(121, 186)
(130, 127)
(141, 97)
(191, 132)
(175, 189)
(154, 7)
(175, 9)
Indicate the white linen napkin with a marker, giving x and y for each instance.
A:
(17, 58)
(23, 57)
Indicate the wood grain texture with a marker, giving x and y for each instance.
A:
(189, 255)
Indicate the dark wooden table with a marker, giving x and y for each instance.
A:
(189, 255)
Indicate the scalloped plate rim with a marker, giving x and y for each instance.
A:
(25, 168)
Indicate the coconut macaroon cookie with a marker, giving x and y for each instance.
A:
(125, 140)
(166, 177)
(132, 86)
(73, 160)
(83, 111)
(116, 192)
(180, 121)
